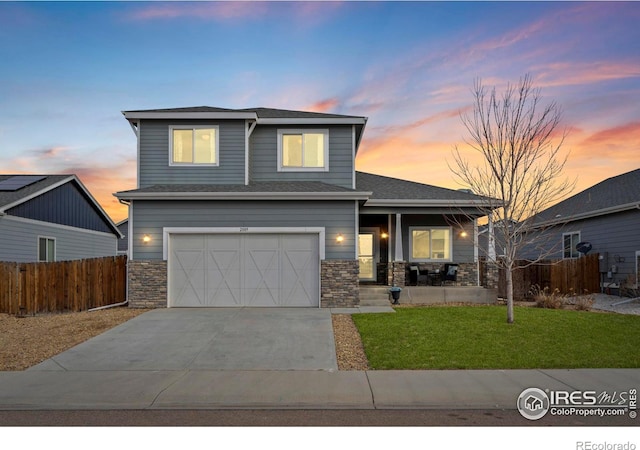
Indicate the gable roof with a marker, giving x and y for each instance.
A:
(615, 194)
(11, 199)
(387, 191)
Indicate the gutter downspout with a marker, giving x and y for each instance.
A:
(126, 301)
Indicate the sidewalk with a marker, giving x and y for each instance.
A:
(206, 389)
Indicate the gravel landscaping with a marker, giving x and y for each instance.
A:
(27, 341)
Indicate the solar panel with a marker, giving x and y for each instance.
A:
(19, 181)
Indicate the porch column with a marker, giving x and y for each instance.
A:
(389, 252)
(398, 241)
(398, 258)
(491, 242)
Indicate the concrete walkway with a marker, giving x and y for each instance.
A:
(621, 305)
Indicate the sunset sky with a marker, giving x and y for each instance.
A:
(67, 70)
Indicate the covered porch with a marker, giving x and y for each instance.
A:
(417, 248)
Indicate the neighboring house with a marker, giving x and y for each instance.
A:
(52, 218)
(123, 244)
(263, 207)
(606, 216)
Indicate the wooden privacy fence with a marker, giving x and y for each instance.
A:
(30, 288)
(569, 276)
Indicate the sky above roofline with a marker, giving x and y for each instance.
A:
(70, 68)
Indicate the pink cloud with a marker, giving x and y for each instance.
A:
(326, 105)
(311, 12)
(50, 152)
(621, 143)
(577, 73)
(434, 118)
(203, 10)
(102, 182)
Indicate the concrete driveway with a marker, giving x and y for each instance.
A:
(208, 339)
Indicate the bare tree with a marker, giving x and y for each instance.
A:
(520, 168)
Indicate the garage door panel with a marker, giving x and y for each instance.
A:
(259, 270)
(187, 274)
(262, 297)
(300, 264)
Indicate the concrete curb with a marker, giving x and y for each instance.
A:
(194, 389)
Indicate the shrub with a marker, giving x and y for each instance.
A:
(584, 303)
(546, 299)
(628, 287)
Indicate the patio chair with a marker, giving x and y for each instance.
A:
(416, 275)
(450, 273)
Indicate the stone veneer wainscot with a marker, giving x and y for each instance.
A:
(339, 281)
(147, 284)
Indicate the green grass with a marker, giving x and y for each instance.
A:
(478, 337)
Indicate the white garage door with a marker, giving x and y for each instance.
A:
(243, 270)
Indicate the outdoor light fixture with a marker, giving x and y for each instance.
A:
(339, 238)
(384, 235)
(463, 234)
(146, 239)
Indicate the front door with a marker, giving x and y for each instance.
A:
(367, 256)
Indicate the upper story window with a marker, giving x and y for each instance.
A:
(193, 145)
(430, 244)
(569, 242)
(303, 150)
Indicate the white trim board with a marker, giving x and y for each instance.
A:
(166, 231)
(57, 225)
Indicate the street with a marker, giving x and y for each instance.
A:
(295, 418)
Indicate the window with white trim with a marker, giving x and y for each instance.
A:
(193, 145)
(430, 243)
(46, 249)
(303, 150)
(569, 242)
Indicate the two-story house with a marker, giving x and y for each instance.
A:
(263, 207)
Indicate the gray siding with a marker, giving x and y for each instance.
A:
(123, 244)
(263, 158)
(65, 205)
(149, 217)
(154, 155)
(19, 241)
(617, 234)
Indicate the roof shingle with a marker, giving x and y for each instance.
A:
(616, 191)
(263, 113)
(10, 197)
(395, 189)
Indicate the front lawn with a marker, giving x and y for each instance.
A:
(478, 337)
